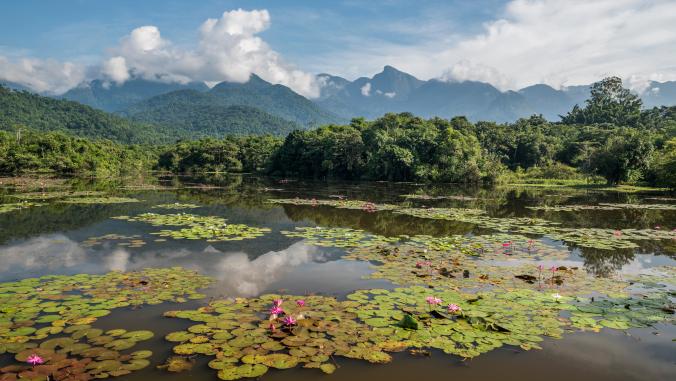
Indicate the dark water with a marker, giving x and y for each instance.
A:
(48, 240)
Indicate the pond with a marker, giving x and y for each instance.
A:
(231, 277)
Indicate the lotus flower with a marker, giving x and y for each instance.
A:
(300, 303)
(289, 320)
(540, 267)
(507, 244)
(35, 360)
(617, 233)
(658, 227)
(557, 296)
(272, 327)
(453, 308)
(277, 302)
(432, 301)
(553, 269)
(276, 310)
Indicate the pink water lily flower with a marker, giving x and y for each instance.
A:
(289, 320)
(553, 269)
(272, 328)
(507, 244)
(432, 300)
(617, 233)
(277, 302)
(453, 308)
(276, 310)
(300, 303)
(35, 360)
(540, 267)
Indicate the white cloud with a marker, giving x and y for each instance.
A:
(556, 42)
(47, 76)
(466, 70)
(576, 41)
(116, 69)
(366, 89)
(390, 94)
(228, 49)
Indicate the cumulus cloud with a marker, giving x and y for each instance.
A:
(366, 89)
(465, 70)
(228, 49)
(44, 76)
(568, 42)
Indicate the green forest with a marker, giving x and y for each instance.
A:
(611, 137)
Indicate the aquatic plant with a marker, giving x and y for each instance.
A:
(176, 206)
(340, 204)
(98, 200)
(337, 237)
(131, 241)
(209, 228)
(11, 207)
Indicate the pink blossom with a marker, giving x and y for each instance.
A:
(617, 233)
(300, 303)
(453, 308)
(431, 300)
(507, 244)
(658, 227)
(277, 302)
(540, 267)
(35, 359)
(553, 269)
(272, 327)
(289, 320)
(276, 310)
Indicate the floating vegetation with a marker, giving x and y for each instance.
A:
(99, 200)
(492, 247)
(340, 204)
(215, 233)
(178, 219)
(604, 239)
(247, 337)
(132, 241)
(6, 208)
(609, 239)
(457, 268)
(572, 208)
(338, 237)
(88, 353)
(210, 228)
(602, 206)
(37, 309)
(176, 206)
(427, 197)
(56, 194)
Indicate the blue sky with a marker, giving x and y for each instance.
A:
(509, 43)
(300, 30)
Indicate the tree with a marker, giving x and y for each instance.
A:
(624, 156)
(609, 102)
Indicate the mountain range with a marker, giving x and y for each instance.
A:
(340, 99)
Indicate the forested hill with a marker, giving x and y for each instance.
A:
(162, 120)
(22, 108)
(276, 100)
(199, 115)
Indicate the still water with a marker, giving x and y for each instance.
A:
(51, 239)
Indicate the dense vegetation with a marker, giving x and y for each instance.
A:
(58, 152)
(610, 137)
(22, 108)
(276, 101)
(194, 114)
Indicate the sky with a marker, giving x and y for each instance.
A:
(52, 46)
